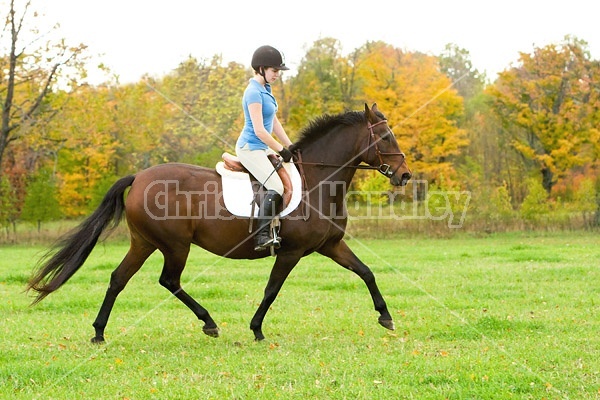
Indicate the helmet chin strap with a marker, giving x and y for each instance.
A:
(261, 72)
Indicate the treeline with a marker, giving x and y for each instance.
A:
(524, 145)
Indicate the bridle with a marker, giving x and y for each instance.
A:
(383, 168)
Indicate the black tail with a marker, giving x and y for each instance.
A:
(75, 247)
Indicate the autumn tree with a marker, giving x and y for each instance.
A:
(324, 84)
(420, 103)
(488, 163)
(548, 104)
(136, 120)
(105, 132)
(84, 145)
(205, 99)
(126, 128)
(31, 68)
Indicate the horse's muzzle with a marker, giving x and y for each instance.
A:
(402, 180)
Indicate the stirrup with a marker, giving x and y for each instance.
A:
(275, 226)
(276, 242)
(272, 242)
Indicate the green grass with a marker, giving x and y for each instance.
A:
(504, 317)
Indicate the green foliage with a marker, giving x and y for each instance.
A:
(535, 205)
(586, 196)
(8, 200)
(456, 63)
(490, 209)
(209, 158)
(205, 101)
(501, 204)
(373, 188)
(447, 202)
(587, 201)
(323, 85)
(99, 191)
(41, 202)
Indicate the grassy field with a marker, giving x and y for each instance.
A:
(503, 317)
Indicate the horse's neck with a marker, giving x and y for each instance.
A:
(337, 164)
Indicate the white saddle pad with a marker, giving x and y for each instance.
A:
(238, 194)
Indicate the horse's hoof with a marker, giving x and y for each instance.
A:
(387, 323)
(258, 336)
(212, 332)
(97, 340)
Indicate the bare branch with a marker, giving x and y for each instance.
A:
(43, 92)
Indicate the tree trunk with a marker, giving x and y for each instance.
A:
(547, 180)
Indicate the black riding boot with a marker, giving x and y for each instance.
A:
(268, 209)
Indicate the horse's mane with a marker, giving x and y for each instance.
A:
(325, 123)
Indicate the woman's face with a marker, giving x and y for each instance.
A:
(271, 74)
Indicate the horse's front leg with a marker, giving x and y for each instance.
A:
(341, 254)
(281, 269)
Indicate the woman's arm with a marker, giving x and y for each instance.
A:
(280, 132)
(255, 110)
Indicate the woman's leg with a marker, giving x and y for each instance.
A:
(257, 162)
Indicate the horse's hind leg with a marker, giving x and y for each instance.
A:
(131, 264)
(341, 253)
(170, 278)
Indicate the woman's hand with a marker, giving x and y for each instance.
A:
(285, 154)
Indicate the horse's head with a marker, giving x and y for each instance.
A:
(382, 149)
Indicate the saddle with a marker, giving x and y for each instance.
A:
(232, 163)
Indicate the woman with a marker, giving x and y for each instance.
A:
(256, 140)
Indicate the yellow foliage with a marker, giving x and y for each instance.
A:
(73, 194)
(419, 102)
(547, 105)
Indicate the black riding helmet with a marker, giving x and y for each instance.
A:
(268, 56)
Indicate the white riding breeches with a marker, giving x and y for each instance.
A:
(260, 167)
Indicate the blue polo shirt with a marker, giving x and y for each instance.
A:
(257, 93)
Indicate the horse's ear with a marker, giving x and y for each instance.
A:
(370, 114)
(374, 108)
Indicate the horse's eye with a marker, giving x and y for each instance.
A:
(387, 136)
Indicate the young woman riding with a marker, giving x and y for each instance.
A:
(256, 140)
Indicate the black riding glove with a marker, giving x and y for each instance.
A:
(285, 154)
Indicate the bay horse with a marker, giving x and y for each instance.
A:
(170, 206)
